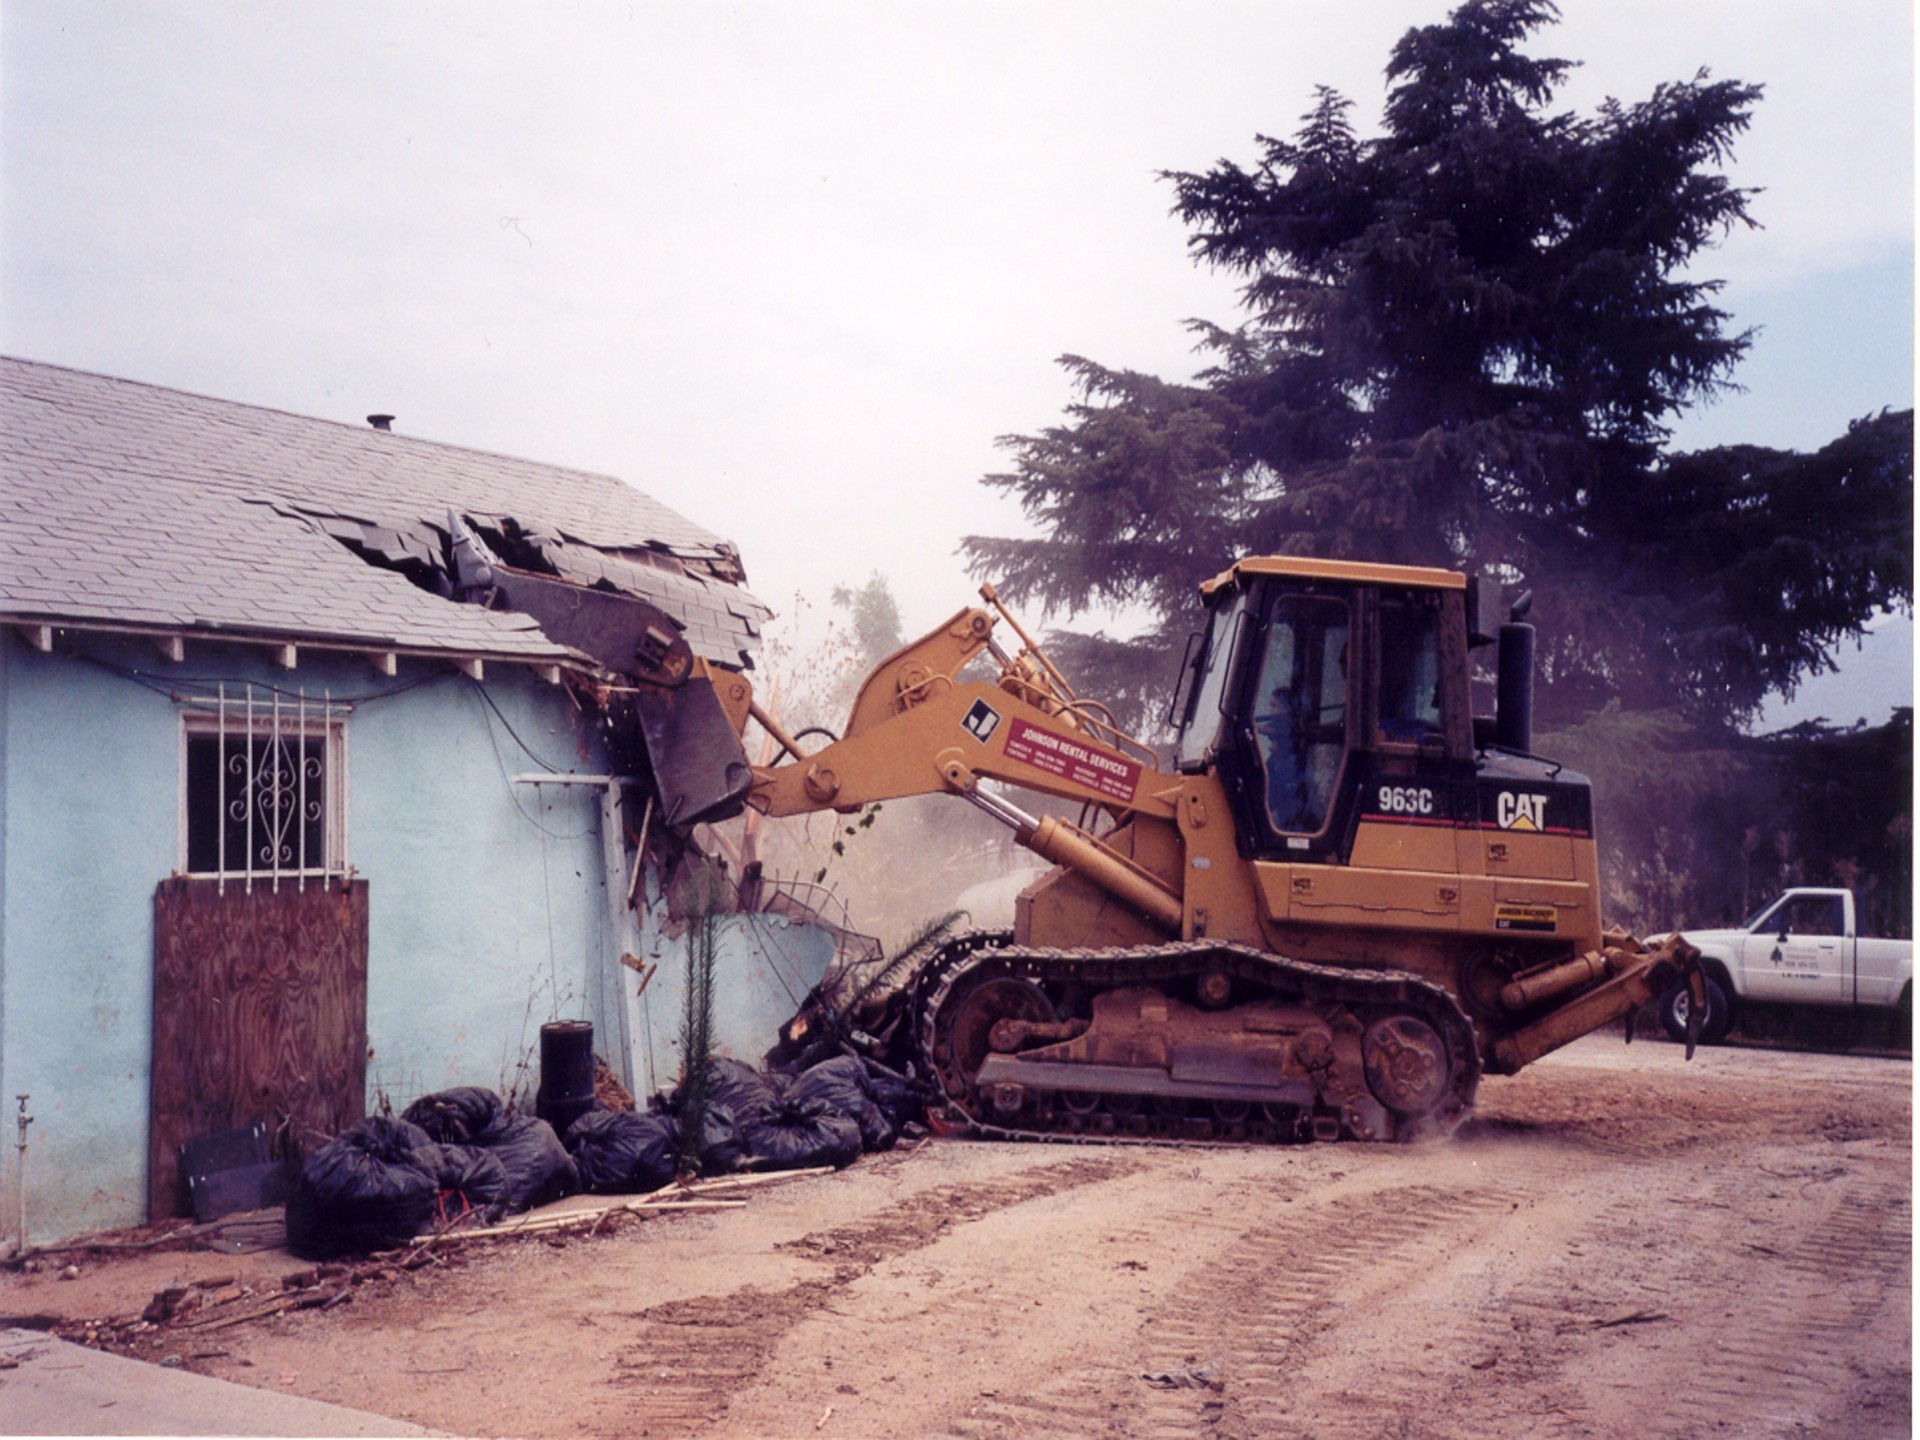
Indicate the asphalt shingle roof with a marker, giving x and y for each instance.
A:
(124, 504)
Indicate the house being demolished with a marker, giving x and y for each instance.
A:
(329, 771)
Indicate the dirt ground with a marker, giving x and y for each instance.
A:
(1617, 1244)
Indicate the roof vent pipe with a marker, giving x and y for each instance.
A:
(380, 422)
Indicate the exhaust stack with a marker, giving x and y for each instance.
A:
(1513, 715)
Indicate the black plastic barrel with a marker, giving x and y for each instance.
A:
(566, 1072)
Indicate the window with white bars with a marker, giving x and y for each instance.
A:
(263, 792)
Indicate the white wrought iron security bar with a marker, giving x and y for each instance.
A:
(279, 784)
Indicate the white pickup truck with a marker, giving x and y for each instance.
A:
(1800, 953)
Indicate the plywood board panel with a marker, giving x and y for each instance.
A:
(259, 1013)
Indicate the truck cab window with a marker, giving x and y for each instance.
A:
(1300, 710)
(1409, 671)
(1812, 915)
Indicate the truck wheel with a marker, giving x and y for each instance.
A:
(1713, 1025)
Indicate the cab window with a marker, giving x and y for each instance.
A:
(1812, 915)
(1300, 710)
(1409, 670)
(1200, 734)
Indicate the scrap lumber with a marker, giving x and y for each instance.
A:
(680, 1197)
(573, 1219)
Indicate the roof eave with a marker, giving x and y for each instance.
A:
(383, 652)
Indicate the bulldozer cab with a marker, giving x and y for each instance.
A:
(1321, 687)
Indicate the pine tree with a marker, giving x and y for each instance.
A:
(696, 1039)
(1466, 340)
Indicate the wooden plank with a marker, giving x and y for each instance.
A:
(693, 1195)
(574, 1219)
(743, 1182)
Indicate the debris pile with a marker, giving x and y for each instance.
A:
(463, 1158)
(454, 1156)
(827, 1115)
(184, 1312)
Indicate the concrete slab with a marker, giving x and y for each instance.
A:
(53, 1387)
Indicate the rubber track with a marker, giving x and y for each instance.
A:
(1300, 981)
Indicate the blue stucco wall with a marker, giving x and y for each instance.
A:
(763, 967)
(487, 901)
(92, 776)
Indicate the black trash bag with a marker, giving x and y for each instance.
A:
(624, 1154)
(798, 1134)
(740, 1088)
(722, 1150)
(841, 1084)
(472, 1182)
(366, 1189)
(898, 1097)
(539, 1170)
(456, 1116)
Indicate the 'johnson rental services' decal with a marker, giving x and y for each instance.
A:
(1070, 759)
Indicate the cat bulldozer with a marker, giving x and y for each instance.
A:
(1335, 902)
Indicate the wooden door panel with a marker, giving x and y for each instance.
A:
(259, 1013)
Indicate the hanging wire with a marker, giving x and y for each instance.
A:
(171, 688)
(506, 776)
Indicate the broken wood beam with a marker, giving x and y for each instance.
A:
(757, 1177)
(548, 1224)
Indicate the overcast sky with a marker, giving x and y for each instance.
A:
(792, 267)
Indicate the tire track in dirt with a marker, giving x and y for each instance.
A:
(1523, 1310)
(687, 1358)
(1234, 1319)
(1549, 1304)
(1783, 1351)
(1287, 1290)
(1095, 1394)
(1024, 1322)
(1716, 1329)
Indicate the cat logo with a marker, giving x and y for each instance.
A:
(1521, 812)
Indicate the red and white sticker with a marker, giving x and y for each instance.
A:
(1110, 775)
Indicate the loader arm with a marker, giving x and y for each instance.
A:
(918, 728)
(946, 743)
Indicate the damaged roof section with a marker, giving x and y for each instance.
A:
(719, 620)
(134, 507)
